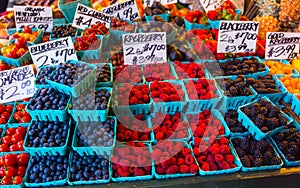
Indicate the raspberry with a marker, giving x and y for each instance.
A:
(225, 149)
(138, 172)
(183, 169)
(201, 159)
(163, 129)
(224, 165)
(205, 166)
(189, 159)
(160, 170)
(159, 136)
(213, 166)
(229, 159)
(174, 97)
(131, 168)
(233, 165)
(144, 137)
(194, 168)
(180, 161)
(172, 169)
(138, 94)
(224, 141)
(141, 160)
(133, 100)
(185, 151)
(120, 137)
(123, 173)
(127, 134)
(210, 158)
(214, 149)
(196, 152)
(134, 136)
(219, 158)
(197, 141)
(173, 161)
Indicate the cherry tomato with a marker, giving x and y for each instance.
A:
(4, 148)
(10, 171)
(9, 108)
(20, 107)
(17, 180)
(2, 121)
(16, 138)
(27, 29)
(6, 180)
(13, 147)
(27, 99)
(2, 161)
(6, 140)
(20, 145)
(10, 159)
(2, 172)
(21, 170)
(17, 116)
(25, 120)
(5, 115)
(23, 159)
(10, 131)
(2, 108)
(21, 131)
(25, 114)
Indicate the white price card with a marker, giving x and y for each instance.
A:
(86, 16)
(124, 11)
(16, 84)
(237, 36)
(148, 3)
(52, 52)
(34, 17)
(281, 45)
(210, 4)
(145, 48)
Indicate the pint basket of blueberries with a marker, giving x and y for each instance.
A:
(95, 137)
(48, 104)
(60, 31)
(73, 77)
(43, 74)
(47, 138)
(92, 105)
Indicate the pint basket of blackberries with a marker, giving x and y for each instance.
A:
(256, 155)
(104, 75)
(263, 118)
(43, 74)
(73, 78)
(235, 91)
(47, 138)
(48, 104)
(95, 137)
(47, 171)
(92, 105)
(89, 169)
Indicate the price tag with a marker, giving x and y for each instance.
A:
(280, 45)
(210, 4)
(16, 84)
(145, 48)
(86, 16)
(124, 11)
(148, 3)
(34, 17)
(237, 36)
(53, 52)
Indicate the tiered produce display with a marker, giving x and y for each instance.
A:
(96, 119)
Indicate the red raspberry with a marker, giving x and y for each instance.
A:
(132, 168)
(144, 138)
(138, 172)
(214, 149)
(233, 166)
(127, 134)
(196, 152)
(189, 159)
(123, 173)
(194, 168)
(160, 170)
(156, 154)
(185, 151)
(183, 169)
(172, 169)
(133, 100)
(210, 158)
(141, 160)
(225, 149)
(224, 165)
(219, 158)
(134, 136)
(201, 159)
(197, 141)
(159, 136)
(138, 94)
(120, 137)
(180, 161)
(213, 166)
(205, 166)
(229, 159)
(224, 141)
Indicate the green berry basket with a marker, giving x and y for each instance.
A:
(81, 87)
(91, 54)
(12, 121)
(39, 37)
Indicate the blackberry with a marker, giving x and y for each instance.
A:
(282, 120)
(290, 157)
(257, 154)
(279, 136)
(273, 112)
(293, 151)
(247, 111)
(231, 122)
(236, 142)
(258, 162)
(232, 113)
(264, 129)
(268, 155)
(245, 161)
(262, 145)
(252, 148)
(260, 120)
(251, 158)
(237, 129)
(240, 152)
(244, 144)
(254, 112)
(275, 160)
(264, 110)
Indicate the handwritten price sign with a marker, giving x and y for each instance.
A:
(210, 4)
(16, 84)
(86, 16)
(280, 45)
(237, 36)
(53, 52)
(34, 17)
(124, 11)
(148, 3)
(145, 48)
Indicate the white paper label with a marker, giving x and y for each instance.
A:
(237, 36)
(86, 16)
(53, 52)
(34, 17)
(281, 45)
(145, 48)
(148, 3)
(124, 11)
(16, 84)
(210, 4)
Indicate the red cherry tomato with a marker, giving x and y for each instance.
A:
(20, 43)
(10, 131)
(6, 140)
(2, 161)
(20, 107)
(21, 131)
(4, 148)
(2, 121)
(18, 116)
(17, 180)
(13, 147)
(2, 108)
(23, 159)
(10, 159)
(21, 170)
(25, 120)
(16, 138)
(20, 145)
(2, 172)
(27, 29)
(5, 115)
(9, 108)
(6, 180)
(10, 171)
